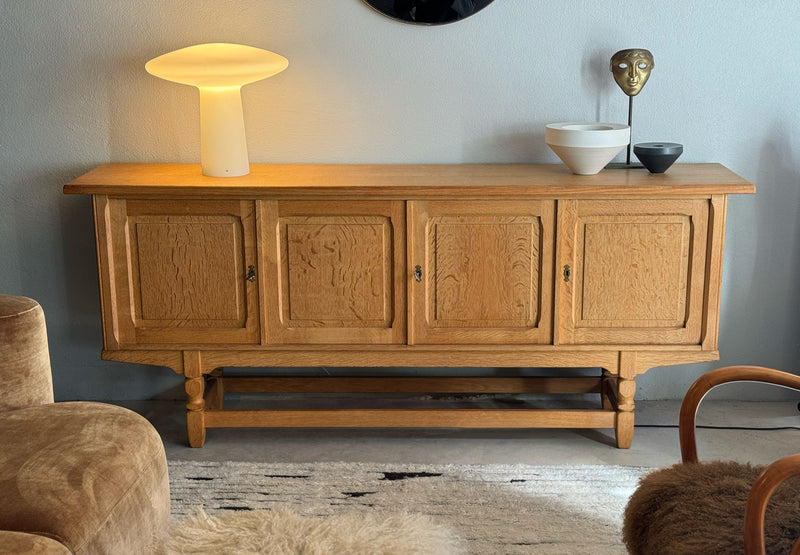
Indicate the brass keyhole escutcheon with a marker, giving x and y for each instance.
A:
(418, 273)
(251, 273)
(567, 272)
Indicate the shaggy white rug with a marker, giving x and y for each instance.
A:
(284, 532)
(436, 509)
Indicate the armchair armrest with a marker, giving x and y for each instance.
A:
(767, 482)
(712, 379)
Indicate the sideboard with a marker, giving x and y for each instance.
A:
(451, 266)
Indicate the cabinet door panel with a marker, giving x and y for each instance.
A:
(485, 271)
(181, 269)
(637, 271)
(180, 278)
(334, 270)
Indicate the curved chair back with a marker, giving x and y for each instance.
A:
(24, 354)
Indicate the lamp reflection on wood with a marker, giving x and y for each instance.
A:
(219, 70)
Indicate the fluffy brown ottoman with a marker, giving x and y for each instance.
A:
(90, 476)
(699, 509)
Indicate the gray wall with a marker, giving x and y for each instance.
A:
(363, 88)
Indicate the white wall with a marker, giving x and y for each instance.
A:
(363, 88)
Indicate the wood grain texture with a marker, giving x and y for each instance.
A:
(623, 429)
(444, 356)
(713, 285)
(469, 292)
(410, 418)
(172, 359)
(119, 272)
(338, 270)
(401, 181)
(628, 264)
(486, 271)
(188, 269)
(369, 356)
(194, 385)
(101, 207)
(335, 271)
(334, 249)
(638, 271)
(179, 271)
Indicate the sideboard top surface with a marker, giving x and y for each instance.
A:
(406, 180)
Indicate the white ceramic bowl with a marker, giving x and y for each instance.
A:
(586, 147)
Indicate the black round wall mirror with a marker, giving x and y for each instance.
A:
(428, 12)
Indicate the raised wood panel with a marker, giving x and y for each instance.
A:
(467, 292)
(637, 271)
(634, 271)
(333, 270)
(181, 269)
(486, 268)
(334, 255)
(188, 268)
(338, 269)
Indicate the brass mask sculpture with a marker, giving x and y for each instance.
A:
(631, 69)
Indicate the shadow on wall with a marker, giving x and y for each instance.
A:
(75, 329)
(760, 316)
(776, 256)
(763, 326)
(80, 282)
(596, 78)
(150, 120)
(525, 146)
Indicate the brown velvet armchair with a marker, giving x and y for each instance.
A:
(75, 477)
(717, 507)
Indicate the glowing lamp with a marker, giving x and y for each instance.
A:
(219, 70)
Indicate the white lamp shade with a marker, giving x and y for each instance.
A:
(219, 70)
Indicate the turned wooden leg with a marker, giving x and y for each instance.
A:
(624, 429)
(195, 425)
(626, 388)
(194, 386)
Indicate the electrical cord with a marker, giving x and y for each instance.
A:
(706, 427)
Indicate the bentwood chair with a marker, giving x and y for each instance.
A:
(717, 507)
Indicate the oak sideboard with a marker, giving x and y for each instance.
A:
(435, 266)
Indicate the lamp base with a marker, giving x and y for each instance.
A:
(223, 146)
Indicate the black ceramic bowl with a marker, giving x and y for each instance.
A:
(657, 157)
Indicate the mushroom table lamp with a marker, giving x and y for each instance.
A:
(219, 70)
